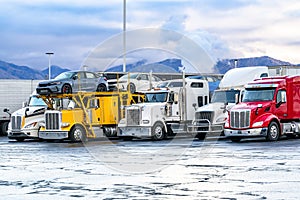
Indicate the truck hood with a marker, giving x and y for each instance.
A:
(149, 104)
(32, 110)
(214, 106)
(251, 105)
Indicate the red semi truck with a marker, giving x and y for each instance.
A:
(270, 108)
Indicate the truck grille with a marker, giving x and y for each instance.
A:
(133, 116)
(240, 119)
(208, 115)
(52, 120)
(16, 122)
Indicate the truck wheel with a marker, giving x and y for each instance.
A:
(157, 131)
(77, 134)
(4, 127)
(273, 132)
(235, 139)
(201, 136)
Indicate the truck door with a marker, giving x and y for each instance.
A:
(281, 104)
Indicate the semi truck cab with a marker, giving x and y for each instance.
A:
(270, 108)
(24, 123)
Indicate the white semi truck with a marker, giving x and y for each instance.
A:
(164, 112)
(24, 123)
(210, 119)
(13, 93)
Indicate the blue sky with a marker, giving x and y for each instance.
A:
(73, 29)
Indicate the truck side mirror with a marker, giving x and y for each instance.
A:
(224, 107)
(175, 98)
(6, 110)
(236, 96)
(24, 104)
(194, 106)
(26, 110)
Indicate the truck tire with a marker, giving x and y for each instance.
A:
(273, 132)
(235, 139)
(4, 127)
(158, 131)
(77, 134)
(201, 136)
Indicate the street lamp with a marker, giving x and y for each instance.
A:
(124, 35)
(49, 54)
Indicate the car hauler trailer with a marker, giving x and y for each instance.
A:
(13, 93)
(270, 108)
(210, 119)
(164, 112)
(84, 115)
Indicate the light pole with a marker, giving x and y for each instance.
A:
(49, 54)
(124, 35)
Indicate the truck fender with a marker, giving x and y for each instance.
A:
(165, 125)
(267, 119)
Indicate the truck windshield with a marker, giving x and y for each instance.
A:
(34, 101)
(156, 97)
(223, 96)
(262, 94)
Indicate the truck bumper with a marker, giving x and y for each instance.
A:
(138, 132)
(54, 135)
(254, 132)
(26, 134)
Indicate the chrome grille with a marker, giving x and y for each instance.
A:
(53, 120)
(240, 119)
(16, 122)
(133, 116)
(208, 115)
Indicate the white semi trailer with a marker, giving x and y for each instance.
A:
(164, 112)
(12, 95)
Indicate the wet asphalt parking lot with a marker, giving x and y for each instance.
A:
(172, 169)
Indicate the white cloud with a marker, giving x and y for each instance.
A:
(225, 29)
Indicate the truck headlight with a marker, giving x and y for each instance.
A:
(258, 124)
(42, 124)
(64, 124)
(222, 119)
(146, 121)
(31, 125)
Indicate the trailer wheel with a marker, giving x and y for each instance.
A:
(77, 134)
(4, 127)
(273, 132)
(158, 131)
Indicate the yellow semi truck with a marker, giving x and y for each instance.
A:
(84, 115)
